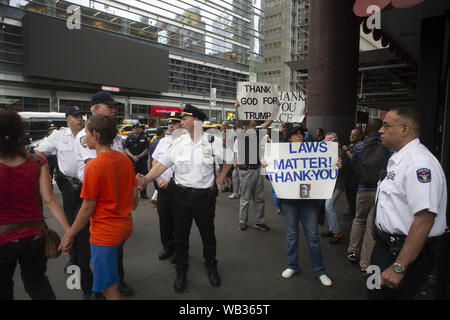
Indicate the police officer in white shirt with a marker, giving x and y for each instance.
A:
(161, 184)
(193, 156)
(411, 209)
(101, 103)
(60, 142)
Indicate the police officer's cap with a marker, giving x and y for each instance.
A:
(190, 110)
(174, 117)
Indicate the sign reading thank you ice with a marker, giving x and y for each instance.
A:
(306, 170)
(258, 101)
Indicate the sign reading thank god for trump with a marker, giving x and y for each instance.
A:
(257, 101)
(302, 170)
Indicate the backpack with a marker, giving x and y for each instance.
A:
(371, 161)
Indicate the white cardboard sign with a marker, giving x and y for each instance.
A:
(302, 170)
(257, 100)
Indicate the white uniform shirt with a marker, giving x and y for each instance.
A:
(83, 152)
(159, 152)
(60, 142)
(414, 181)
(193, 163)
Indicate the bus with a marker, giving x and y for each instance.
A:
(37, 123)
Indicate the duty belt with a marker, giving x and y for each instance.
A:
(394, 242)
(193, 191)
(248, 166)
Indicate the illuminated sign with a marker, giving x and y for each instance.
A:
(163, 111)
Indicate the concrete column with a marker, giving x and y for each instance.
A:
(332, 67)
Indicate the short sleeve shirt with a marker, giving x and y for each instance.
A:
(83, 152)
(159, 152)
(414, 181)
(61, 143)
(110, 180)
(194, 162)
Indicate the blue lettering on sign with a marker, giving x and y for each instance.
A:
(303, 175)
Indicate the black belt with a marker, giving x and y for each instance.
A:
(394, 242)
(193, 191)
(248, 166)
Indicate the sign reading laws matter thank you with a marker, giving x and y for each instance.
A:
(302, 170)
(258, 101)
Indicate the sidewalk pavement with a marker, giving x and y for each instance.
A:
(250, 262)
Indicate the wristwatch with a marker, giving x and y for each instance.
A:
(398, 268)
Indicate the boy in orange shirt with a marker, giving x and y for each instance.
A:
(110, 194)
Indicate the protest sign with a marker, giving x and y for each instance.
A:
(302, 170)
(291, 108)
(258, 101)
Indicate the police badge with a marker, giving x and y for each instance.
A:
(424, 175)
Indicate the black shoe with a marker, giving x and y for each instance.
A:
(125, 289)
(144, 196)
(242, 226)
(327, 234)
(213, 276)
(180, 282)
(167, 252)
(262, 226)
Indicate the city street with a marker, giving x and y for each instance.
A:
(250, 262)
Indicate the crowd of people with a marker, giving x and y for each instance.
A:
(395, 189)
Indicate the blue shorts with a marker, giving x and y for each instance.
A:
(104, 262)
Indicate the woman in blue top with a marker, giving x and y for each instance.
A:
(306, 211)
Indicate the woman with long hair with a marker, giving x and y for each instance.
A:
(24, 181)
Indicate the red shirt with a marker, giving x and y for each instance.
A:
(19, 198)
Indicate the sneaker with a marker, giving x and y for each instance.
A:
(262, 226)
(233, 196)
(325, 280)
(278, 211)
(352, 257)
(288, 273)
(242, 226)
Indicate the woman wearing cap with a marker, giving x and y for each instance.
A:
(333, 224)
(306, 211)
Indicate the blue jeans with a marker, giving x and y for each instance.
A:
(331, 213)
(306, 213)
(275, 199)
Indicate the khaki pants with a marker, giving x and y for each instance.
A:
(361, 240)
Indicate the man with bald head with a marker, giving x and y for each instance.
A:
(369, 159)
(411, 209)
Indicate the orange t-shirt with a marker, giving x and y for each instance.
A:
(110, 179)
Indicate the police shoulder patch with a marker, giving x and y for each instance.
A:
(424, 175)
